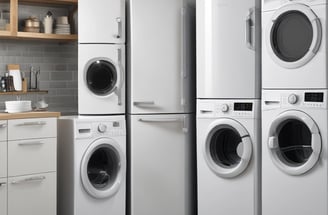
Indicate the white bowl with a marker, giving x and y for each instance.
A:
(18, 106)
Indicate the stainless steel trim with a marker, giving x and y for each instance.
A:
(31, 179)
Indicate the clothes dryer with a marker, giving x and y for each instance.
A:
(294, 52)
(294, 152)
(91, 165)
(228, 159)
(228, 49)
(101, 79)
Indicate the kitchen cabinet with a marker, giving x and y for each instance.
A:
(31, 150)
(3, 149)
(12, 32)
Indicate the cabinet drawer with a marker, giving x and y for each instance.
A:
(32, 128)
(31, 156)
(3, 196)
(3, 159)
(32, 194)
(3, 130)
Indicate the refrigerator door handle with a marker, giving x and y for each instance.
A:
(183, 71)
(119, 27)
(168, 120)
(144, 103)
(249, 29)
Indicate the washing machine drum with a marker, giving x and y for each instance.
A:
(293, 35)
(227, 148)
(102, 77)
(103, 168)
(294, 142)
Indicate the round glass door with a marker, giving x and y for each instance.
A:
(295, 35)
(228, 148)
(101, 77)
(102, 168)
(294, 142)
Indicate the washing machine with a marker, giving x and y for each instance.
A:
(294, 52)
(294, 152)
(228, 155)
(91, 165)
(101, 79)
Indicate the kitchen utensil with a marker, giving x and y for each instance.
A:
(14, 71)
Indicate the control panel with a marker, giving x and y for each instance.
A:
(295, 98)
(228, 108)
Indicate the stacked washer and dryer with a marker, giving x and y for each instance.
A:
(228, 107)
(92, 146)
(294, 107)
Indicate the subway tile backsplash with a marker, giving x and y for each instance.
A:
(58, 63)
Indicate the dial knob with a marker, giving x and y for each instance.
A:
(224, 108)
(292, 99)
(102, 128)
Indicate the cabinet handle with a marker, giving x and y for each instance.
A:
(144, 103)
(38, 123)
(119, 27)
(3, 125)
(206, 111)
(31, 179)
(2, 184)
(30, 143)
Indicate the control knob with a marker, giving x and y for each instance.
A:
(102, 128)
(292, 99)
(224, 108)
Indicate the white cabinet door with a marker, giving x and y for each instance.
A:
(32, 128)
(3, 196)
(3, 159)
(160, 77)
(161, 181)
(228, 49)
(32, 194)
(102, 21)
(31, 156)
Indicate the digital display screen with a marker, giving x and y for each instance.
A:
(313, 97)
(243, 106)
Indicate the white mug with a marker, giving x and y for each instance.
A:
(48, 22)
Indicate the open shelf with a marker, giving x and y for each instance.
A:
(37, 36)
(24, 93)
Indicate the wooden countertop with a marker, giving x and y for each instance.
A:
(26, 115)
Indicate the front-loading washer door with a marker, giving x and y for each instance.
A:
(103, 168)
(228, 148)
(294, 142)
(294, 35)
(102, 76)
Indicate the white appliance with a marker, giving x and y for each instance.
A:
(161, 56)
(228, 157)
(162, 164)
(294, 52)
(103, 22)
(294, 152)
(161, 100)
(91, 165)
(228, 49)
(101, 79)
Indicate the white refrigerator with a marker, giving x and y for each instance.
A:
(161, 107)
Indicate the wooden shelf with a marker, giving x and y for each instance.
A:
(38, 36)
(55, 2)
(24, 93)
